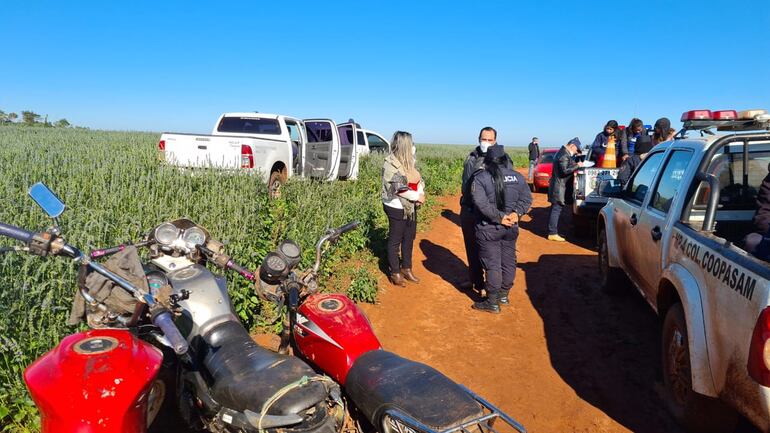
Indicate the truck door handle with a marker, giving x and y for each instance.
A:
(633, 219)
(656, 233)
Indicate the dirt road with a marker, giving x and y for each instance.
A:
(563, 358)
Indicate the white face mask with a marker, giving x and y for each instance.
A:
(484, 145)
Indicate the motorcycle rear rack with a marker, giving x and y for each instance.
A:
(482, 424)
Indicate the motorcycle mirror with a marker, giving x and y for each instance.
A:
(46, 199)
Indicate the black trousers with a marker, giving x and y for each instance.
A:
(497, 252)
(468, 226)
(401, 234)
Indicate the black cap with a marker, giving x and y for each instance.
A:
(576, 142)
(643, 144)
(496, 151)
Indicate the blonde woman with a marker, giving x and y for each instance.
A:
(402, 193)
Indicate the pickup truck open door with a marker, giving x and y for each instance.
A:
(321, 150)
(349, 150)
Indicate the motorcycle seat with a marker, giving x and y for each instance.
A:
(380, 380)
(246, 375)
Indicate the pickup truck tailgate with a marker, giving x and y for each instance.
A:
(588, 179)
(188, 150)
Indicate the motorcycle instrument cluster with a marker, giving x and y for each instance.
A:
(194, 236)
(273, 268)
(279, 263)
(166, 233)
(180, 234)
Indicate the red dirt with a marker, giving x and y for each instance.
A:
(563, 358)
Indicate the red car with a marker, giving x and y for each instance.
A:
(542, 173)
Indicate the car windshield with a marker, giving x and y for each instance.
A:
(547, 158)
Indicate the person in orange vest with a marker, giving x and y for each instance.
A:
(599, 146)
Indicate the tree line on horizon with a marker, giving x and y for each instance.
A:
(30, 118)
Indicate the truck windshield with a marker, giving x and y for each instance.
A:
(252, 125)
(547, 158)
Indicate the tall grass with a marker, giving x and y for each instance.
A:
(116, 190)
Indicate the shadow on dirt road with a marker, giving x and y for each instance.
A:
(448, 266)
(605, 348)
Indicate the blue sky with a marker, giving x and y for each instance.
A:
(440, 70)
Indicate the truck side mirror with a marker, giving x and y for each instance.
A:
(46, 199)
(611, 188)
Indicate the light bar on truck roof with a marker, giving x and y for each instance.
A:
(696, 115)
(752, 114)
(724, 120)
(724, 115)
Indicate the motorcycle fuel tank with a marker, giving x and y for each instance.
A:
(94, 381)
(208, 305)
(332, 332)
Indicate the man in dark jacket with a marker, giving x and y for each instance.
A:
(534, 155)
(563, 168)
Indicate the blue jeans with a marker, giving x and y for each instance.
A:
(532, 165)
(553, 219)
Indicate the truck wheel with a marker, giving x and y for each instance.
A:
(274, 184)
(612, 279)
(696, 412)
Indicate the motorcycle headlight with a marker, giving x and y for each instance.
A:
(166, 233)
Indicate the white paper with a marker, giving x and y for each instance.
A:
(587, 164)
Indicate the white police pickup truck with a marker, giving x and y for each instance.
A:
(275, 146)
(676, 231)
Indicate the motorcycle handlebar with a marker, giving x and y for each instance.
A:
(347, 227)
(332, 235)
(17, 233)
(27, 237)
(163, 320)
(245, 273)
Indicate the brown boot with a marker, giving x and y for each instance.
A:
(397, 279)
(409, 276)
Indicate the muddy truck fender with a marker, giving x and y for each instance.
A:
(678, 283)
(605, 221)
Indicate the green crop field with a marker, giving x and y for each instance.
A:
(116, 190)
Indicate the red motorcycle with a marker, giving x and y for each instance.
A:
(330, 332)
(165, 335)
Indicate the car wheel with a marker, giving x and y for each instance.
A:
(274, 184)
(696, 412)
(612, 279)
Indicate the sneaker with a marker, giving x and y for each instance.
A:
(504, 301)
(486, 306)
(556, 238)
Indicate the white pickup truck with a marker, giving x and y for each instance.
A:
(275, 146)
(676, 230)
